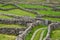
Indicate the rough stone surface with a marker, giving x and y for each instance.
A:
(51, 27)
(56, 9)
(11, 31)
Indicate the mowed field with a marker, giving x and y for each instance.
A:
(37, 33)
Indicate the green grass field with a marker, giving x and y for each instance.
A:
(49, 12)
(7, 37)
(38, 34)
(8, 6)
(32, 6)
(18, 12)
(11, 26)
(54, 34)
(4, 17)
(52, 19)
(28, 37)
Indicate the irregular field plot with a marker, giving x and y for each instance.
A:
(55, 13)
(5, 17)
(48, 12)
(7, 37)
(32, 6)
(55, 35)
(52, 19)
(8, 6)
(18, 12)
(11, 26)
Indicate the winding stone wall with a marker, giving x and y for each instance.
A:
(21, 20)
(51, 27)
(22, 36)
(30, 26)
(30, 22)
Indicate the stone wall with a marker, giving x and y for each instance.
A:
(43, 22)
(11, 31)
(21, 20)
(51, 27)
(56, 9)
(29, 1)
(30, 26)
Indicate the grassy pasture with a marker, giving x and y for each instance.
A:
(32, 6)
(8, 6)
(55, 35)
(11, 26)
(7, 37)
(49, 12)
(28, 37)
(38, 34)
(4, 17)
(52, 19)
(18, 12)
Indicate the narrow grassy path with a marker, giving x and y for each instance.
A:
(44, 34)
(38, 31)
(41, 36)
(28, 37)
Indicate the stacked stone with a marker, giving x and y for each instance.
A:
(51, 27)
(43, 22)
(11, 31)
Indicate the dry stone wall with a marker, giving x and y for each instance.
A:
(11, 31)
(30, 26)
(29, 22)
(29, 1)
(51, 27)
(34, 12)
